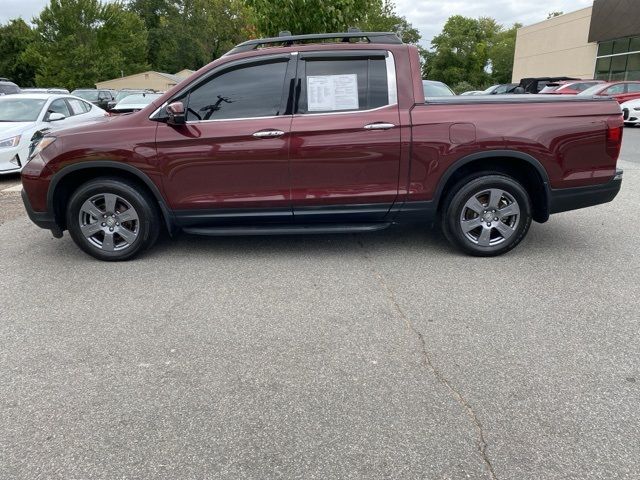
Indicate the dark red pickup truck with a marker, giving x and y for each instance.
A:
(305, 134)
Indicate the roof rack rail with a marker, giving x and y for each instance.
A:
(287, 39)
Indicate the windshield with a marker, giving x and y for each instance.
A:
(14, 109)
(436, 89)
(551, 87)
(90, 95)
(591, 90)
(125, 93)
(138, 99)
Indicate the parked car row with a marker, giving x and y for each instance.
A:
(25, 116)
(631, 113)
(106, 99)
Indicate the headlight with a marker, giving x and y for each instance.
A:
(43, 143)
(10, 142)
(637, 109)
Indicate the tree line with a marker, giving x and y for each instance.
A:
(76, 43)
(471, 54)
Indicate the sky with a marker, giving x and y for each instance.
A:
(428, 16)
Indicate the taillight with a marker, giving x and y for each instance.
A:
(614, 138)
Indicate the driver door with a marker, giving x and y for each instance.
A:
(230, 160)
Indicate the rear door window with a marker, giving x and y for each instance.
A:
(615, 89)
(77, 106)
(244, 91)
(343, 84)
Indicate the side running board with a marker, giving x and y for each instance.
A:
(287, 229)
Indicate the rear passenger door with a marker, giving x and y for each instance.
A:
(345, 136)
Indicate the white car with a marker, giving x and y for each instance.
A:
(24, 115)
(631, 112)
(135, 102)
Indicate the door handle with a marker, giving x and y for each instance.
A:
(268, 133)
(379, 126)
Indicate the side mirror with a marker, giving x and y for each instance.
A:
(175, 111)
(55, 117)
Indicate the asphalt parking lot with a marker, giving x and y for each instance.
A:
(385, 355)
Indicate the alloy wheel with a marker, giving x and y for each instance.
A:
(109, 222)
(490, 217)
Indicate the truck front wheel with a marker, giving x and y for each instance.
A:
(486, 214)
(112, 219)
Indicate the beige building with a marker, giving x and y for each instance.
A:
(152, 80)
(556, 47)
(602, 42)
(186, 73)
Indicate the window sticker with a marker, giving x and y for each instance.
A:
(332, 92)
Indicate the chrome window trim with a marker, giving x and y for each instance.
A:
(392, 85)
(344, 112)
(392, 95)
(195, 122)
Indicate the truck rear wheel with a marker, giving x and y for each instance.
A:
(112, 219)
(486, 214)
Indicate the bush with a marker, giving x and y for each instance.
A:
(463, 87)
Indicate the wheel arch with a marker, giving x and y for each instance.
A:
(65, 182)
(522, 166)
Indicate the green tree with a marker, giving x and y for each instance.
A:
(382, 17)
(461, 51)
(501, 54)
(315, 16)
(209, 29)
(80, 42)
(15, 37)
(477, 52)
(160, 19)
(190, 33)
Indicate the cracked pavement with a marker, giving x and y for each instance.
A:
(386, 355)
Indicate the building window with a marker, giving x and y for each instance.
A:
(621, 46)
(618, 60)
(633, 67)
(605, 48)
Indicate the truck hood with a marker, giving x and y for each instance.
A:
(99, 124)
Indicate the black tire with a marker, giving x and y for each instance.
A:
(505, 233)
(109, 242)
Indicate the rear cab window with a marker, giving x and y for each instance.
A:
(343, 83)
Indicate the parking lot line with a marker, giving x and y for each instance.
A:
(15, 188)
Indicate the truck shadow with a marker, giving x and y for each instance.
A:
(400, 240)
